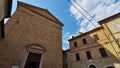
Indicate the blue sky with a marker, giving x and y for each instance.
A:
(73, 21)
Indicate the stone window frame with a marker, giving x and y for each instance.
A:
(34, 48)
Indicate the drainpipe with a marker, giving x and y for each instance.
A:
(2, 33)
(110, 41)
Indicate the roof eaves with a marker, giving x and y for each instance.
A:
(86, 33)
(109, 18)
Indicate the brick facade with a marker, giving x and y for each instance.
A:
(31, 30)
(89, 50)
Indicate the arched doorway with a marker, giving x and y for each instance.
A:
(34, 57)
(33, 60)
(92, 66)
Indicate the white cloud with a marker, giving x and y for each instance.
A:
(14, 6)
(65, 40)
(99, 9)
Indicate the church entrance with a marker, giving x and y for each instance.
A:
(33, 60)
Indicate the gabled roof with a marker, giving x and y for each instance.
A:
(109, 18)
(43, 12)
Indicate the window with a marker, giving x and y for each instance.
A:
(75, 44)
(84, 41)
(96, 37)
(103, 52)
(77, 56)
(118, 26)
(88, 55)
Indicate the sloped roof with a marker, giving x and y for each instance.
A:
(109, 18)
(41, 11)
(86, 33)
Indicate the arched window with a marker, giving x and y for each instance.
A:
(92, 66)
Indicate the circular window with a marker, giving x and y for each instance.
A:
(92, 66)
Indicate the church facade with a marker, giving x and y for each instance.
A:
(33, 39)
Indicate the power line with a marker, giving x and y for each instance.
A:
(93, 24)
(84, 10)
(81, 12)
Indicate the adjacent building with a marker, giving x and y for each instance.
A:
(5, 8)
(113, 25)
(97, 48)
(5, 12)
(66, 59)
(33, 39)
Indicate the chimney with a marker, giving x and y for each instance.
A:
(79, 33)
(2, 28)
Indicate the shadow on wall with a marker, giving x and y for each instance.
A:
(94, 49)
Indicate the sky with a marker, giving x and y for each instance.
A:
(72, 19)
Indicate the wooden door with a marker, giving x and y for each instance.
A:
(33, 60)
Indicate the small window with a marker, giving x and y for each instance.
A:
(84, 41)
(75, 44)
(96, 37)
(77, 57)
(118, 26)
(103, 52)
(88, 55)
